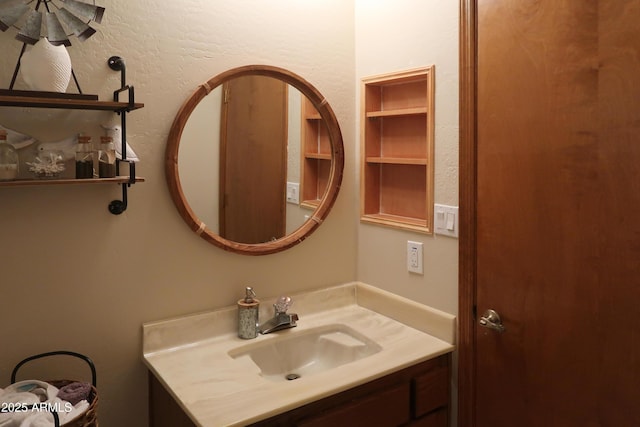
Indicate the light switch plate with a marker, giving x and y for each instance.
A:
(293, 192)
(446, 220)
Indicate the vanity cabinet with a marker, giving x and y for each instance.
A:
(416, 396)
(397, 132)
(315, 155)
(164, 411)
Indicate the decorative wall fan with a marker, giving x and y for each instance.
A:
(55, 20)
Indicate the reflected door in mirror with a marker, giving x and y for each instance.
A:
(193, 161)
(253, 151)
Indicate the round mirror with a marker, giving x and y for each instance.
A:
(254, 160)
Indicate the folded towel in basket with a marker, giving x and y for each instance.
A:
(18, 397)
(77, 411)
(15, 401)
(38, 419)
(21, 395)
(75, 392)
(43, 390)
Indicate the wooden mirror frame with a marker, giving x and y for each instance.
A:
(335, 174)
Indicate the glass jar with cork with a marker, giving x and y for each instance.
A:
(84, 158)
(106, 158)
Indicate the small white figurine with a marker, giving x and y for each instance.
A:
(114, 132)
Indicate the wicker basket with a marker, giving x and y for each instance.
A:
(90, 417)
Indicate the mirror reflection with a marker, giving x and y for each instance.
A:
(254, 160)
(240, 160)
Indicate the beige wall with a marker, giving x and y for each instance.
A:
(199, 175)
(410, 34)
(76, 277)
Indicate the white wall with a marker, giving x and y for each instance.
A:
(199, 169)
(76, 277)
(398, 35)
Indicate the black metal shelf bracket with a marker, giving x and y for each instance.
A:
(116, 63)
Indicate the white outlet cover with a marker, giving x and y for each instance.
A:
(414, 257)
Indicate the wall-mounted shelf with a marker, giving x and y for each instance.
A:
(44, 181)
(34, 99)
(397, 130)
(316, 156)
(22, 99)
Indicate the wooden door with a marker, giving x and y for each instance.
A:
(254, 148)
(550, 194)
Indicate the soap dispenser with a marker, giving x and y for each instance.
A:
(248, 315)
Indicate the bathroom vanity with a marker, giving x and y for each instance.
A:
(415, 396)
(359, 356)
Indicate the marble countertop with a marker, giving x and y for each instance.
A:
(190, 355)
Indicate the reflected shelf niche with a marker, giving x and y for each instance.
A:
(316, 156)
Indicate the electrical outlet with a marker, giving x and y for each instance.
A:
(414, 257)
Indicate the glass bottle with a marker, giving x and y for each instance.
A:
(106, 158)
(84, 158)
(8, 159)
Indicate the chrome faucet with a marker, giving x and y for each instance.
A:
(281, 319)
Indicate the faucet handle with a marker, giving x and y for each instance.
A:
(283, 304)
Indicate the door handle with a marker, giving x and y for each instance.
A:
(491, 319)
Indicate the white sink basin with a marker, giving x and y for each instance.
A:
(296, 355)
(212, 373)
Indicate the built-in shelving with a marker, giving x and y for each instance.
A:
(397, 131)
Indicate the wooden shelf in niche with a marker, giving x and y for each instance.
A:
(316, 156)
(397, 132)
